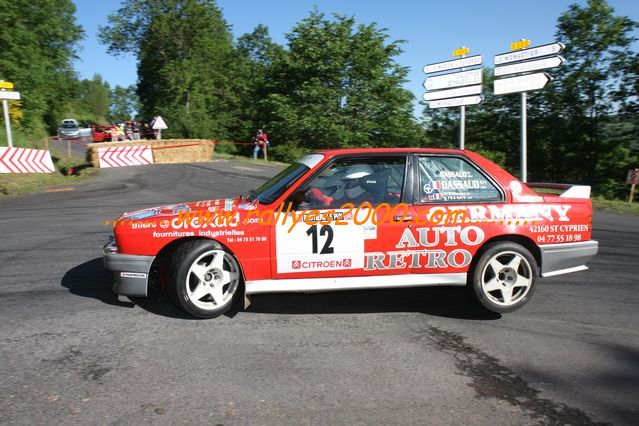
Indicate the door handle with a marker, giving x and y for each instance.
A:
(403, 218)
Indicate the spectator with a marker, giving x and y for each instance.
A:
(261, 143)
(136, 130)
(156, 132)
(128, 130)
(121, 133)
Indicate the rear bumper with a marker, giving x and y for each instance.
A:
(131, 272)
(557, 259)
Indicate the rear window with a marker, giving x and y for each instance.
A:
(453, 179)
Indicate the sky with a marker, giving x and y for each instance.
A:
(431, 29)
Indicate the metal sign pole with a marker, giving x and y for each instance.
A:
(524, 141)
(462, 124)
(462, 127)
(7, 123)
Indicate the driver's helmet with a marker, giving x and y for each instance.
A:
(351, 179)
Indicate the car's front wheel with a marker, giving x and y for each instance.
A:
(203, 278)
(504, 278)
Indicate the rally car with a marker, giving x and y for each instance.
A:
(358, 219)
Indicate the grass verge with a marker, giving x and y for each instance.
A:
(616, 206)
(68, 172)
(243, 159)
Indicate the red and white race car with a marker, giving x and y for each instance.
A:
(358, 219)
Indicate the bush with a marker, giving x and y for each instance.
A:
(286, 153)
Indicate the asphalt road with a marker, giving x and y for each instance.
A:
(71, 353)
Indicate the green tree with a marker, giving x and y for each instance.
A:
(337, 85)
(582, 127)
(92, 103)
(38, 42)
(591, 95)
(124, 104)
(185, 63)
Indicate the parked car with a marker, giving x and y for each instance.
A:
(358, 219)
(69, 129)
(102, 133)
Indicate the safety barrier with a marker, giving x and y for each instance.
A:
(163, 151)
(25, 160)
(122, 156)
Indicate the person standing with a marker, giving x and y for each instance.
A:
(261, 143)
(136, 130)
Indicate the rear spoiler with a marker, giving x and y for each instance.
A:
(568, 191)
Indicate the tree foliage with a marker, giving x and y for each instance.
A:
(338, 85)
(582, 127)
(185, 62)
(38, 42)
(124, 104)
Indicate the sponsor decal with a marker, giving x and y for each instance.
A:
(528, 212)
(173, 234)
(214, 233)
(133, 275)
(157, 211)
(427, 258)
(321, 264)
(516, 187)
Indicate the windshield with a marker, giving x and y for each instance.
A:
(273, 188)
(69, 126)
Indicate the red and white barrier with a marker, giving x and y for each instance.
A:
(24, 160)
(122, 156)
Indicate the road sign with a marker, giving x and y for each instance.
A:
(453, 93)
(6, 85)
(536, 65)
(461, 51)
(10, 96)
(159, 124)
(447, 81)
(523, 83)
(521, 44)
(451, 65)
(455, 102)
(533, 52)
(633, 177)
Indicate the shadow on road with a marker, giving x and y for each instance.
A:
(449, 302)
(90, 279)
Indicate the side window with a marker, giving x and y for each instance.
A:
(446, 179)
(376, 181)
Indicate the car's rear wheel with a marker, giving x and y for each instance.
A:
(203, 278)
(504, 278)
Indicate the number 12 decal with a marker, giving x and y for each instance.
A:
(324, 230)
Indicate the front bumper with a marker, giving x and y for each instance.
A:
(557, 259)
(131, 272)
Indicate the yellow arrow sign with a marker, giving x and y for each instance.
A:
(461, 51)
(6, 85)
(521, 44)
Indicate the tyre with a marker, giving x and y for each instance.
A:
(504, 278)
(203, 278)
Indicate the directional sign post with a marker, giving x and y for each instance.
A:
(521, 63)
(5, 96)
(456, 89)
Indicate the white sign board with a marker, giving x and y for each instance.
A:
(537, 65)
(453, 93)
(10, 96)
(524, 83)
(446, 81)
(451, 65)
(159, 124)
(455, 102)
(530, 53)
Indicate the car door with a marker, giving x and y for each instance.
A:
(448, 189)
(341, 222)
